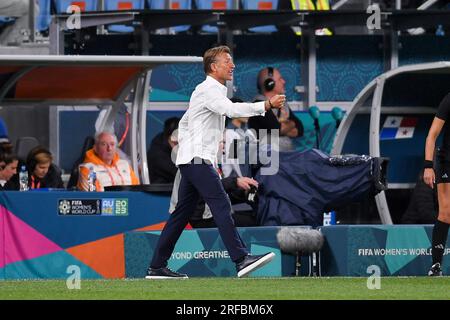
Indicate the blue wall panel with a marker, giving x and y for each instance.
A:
(345, 65)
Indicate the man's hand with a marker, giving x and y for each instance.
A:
(286, 127)
(277, 101)
(293, 133)
(284, 115)
(245, 183)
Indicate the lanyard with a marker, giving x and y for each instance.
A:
(33, 185)
(111, 177)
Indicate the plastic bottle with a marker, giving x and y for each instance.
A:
(92, 178)
(440, 30)
(329, 218)
(23, 178)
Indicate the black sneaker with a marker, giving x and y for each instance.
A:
(251, 263)
(435, 270)
(164, 273)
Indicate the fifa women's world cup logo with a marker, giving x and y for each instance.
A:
(64, 207)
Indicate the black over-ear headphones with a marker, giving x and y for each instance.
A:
(31, 159)
(269, 83)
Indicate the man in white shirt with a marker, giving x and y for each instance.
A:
(199, 133)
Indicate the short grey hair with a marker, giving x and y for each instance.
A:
(101, 133)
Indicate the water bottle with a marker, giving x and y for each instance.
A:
(440, 30)
(329, 218)
(92, 178)
(23, 178)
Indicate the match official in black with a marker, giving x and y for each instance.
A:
(199, 134)
(442, 178)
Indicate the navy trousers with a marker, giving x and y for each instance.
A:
(199, 180)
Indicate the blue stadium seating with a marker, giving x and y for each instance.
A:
(174, 5)
(6, 20)
(213, 4)
(261, 5)
(122, 5)
(85, 5)
(44, 18)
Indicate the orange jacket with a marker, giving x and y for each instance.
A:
(118, 173)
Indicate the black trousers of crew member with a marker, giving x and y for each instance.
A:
(199, 180)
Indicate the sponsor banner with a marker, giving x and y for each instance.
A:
(398, 250)
(93, 207)
(201, 253)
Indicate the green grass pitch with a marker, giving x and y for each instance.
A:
(291, 288)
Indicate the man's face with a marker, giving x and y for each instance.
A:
(279, 82)
(105, 148)
(223, 67)
(10, 170)
(173, 139)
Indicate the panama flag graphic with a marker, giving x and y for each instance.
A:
(398, 128)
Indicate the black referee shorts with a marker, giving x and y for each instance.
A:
(442, 171)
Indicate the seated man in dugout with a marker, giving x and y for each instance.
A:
(270, 82)
(161, 167)
(104, 159)
(8, 168)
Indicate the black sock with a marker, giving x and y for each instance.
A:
(440, 232)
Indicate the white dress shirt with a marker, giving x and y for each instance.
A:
(202, 126)
(238, 136)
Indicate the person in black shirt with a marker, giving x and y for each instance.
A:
(161, 168)
(42, 172)
(440, 175)
(270, 82)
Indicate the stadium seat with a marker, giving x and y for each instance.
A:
(74, 173)
(44, 17)
(261, 5)
(85, 5)
(173, 5)
(123, 5)
(24, 145)
(309, 5)
(213, 5)
(4, 21)
(303, 5)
